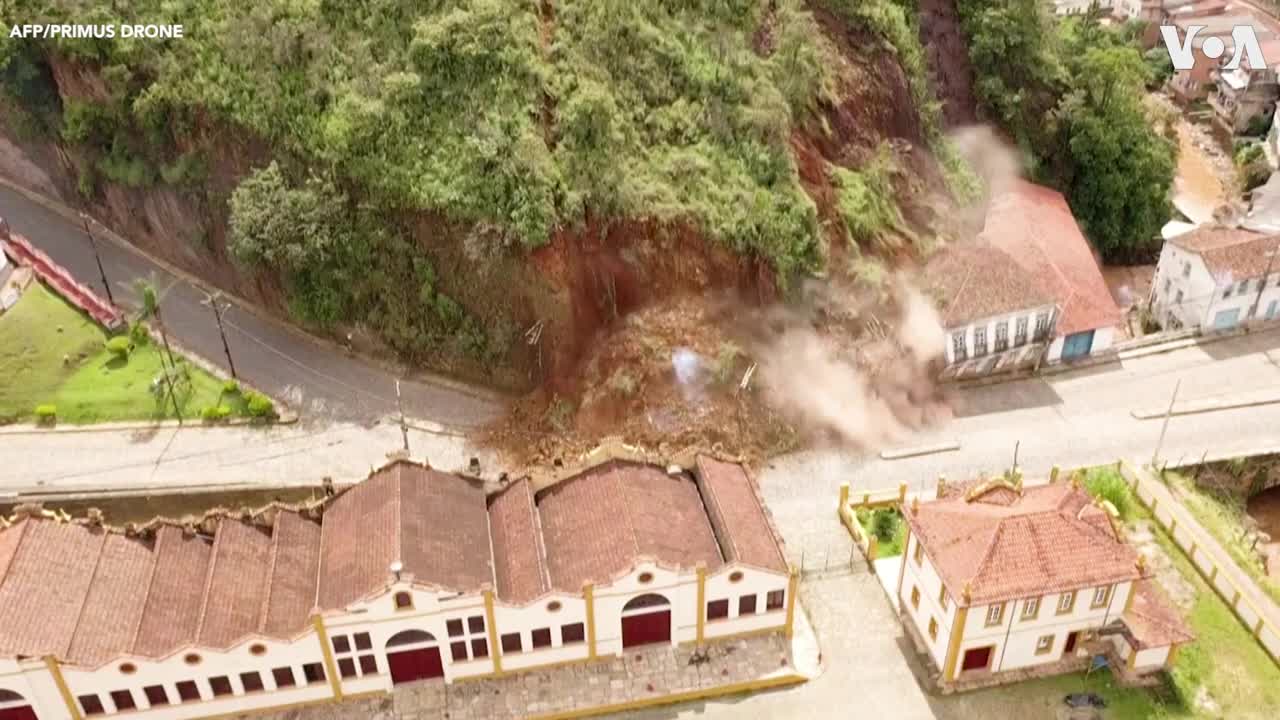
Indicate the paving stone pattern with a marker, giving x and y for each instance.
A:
(641, 673)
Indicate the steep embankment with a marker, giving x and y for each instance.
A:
(482, 187)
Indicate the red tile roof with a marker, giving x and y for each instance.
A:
(1030, 253)
(1152, 621)
(88, 594)
(520, 562)
(1230, 254)
(435, 525)
(598, 524)
(1034, 225)
(738, 517)
(1003, 544)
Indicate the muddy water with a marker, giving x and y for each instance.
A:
(1265, 509)
(1197, 190)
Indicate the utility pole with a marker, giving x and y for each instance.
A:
(404, 428)
(215, 301)
(1155, 457)
(84, 221)
(1262, 283)
(173, 366)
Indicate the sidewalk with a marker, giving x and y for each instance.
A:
(1255, 609)
(173, 459)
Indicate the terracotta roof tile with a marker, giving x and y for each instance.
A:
(519, 559)
(977, 280)
(598, 524)
(1231, 254)
(746, 535)
(176, 593)
(238, 584)
(295, 562)
(435, 524)
(1034, 225)
(113, 608)
(44, 586)
(1152, 621)
(1043, 542)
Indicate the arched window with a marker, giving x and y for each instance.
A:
(9, 696)
(646, 601)
(410, 637)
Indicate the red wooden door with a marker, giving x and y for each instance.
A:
(654, 627)
(18, 713)
(1071, 644)
(413, 665)
(976, 659)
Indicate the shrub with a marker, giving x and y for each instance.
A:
(46, 414)
(1108, 484)
(138, 333)
(259, 405)
(884, 524)
(230, 387)
(119, 346)
(215, 413)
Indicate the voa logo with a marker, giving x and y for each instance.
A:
(1242, 37)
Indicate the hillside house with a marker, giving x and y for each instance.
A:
(1246, 94)
(412, 574)
(1216, 277)
(1195, 84)
(1001, 582)
(1027, 289)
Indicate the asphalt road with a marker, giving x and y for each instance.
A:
(319, 381)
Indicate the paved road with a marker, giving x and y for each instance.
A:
(314, 378)
(1073, 419)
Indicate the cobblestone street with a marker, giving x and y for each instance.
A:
(641, 674)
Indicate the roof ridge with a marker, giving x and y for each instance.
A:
(398, 552)
(990, 550)
(271, 572)
(493, 556)
(97, 563)
(320, 563)
(22, 536)
(540, 545)
(208, 579)
(719, 517)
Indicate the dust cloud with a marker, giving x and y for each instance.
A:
(872, 394)
(991, 157)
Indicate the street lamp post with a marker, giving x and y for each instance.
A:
(216, 302)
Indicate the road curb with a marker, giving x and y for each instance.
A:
(39, 494)
(251, 307)
(194, 424)
(1203, 406)
(901, 453)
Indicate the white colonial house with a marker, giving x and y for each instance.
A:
(410, 575)
(1027, 290)
(997, 578)
(1216, 277)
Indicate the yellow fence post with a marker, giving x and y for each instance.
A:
(1235, 600)
(902, 493)
(702, 601)
(872, 545)
(1257, 628)
(844, 497)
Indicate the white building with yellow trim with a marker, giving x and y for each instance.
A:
(409, 575)
(1002, 582)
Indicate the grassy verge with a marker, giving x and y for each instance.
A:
(1224, 673)
(50, 353)
(1223, 517)
(886, 525)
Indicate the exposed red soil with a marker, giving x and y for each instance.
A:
(947, 53)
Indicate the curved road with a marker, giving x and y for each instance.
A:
(311, 377)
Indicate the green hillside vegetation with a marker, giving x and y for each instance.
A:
(520, 119)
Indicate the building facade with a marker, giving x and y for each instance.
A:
(410, 575)
(997, 578)
(1245, 96)
(1216, 278)
(1028, 290)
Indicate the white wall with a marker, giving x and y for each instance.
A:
(381, 619)
(1202, 294)
(925, 577)
(1014, 639)
(990, 325)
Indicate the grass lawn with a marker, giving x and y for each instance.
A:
(888, 544)
(51, 353)
(1223, 674)
(1223, 517)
